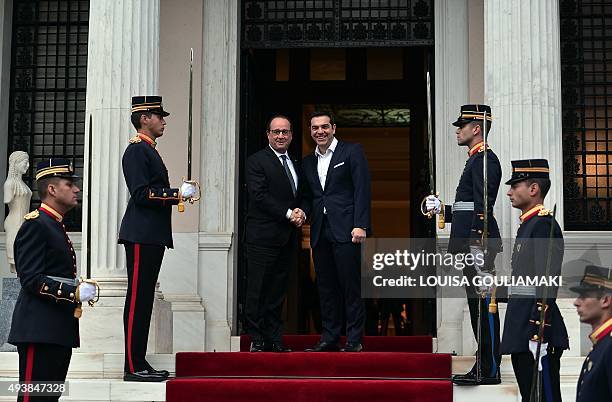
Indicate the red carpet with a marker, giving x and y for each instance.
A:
(390, 369)
(303, 364)
(413, 344)
(307, 390)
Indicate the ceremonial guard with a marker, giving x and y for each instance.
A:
(594, 306)
(467, 215)
(146, 230)
(45, 324)
(537, 253)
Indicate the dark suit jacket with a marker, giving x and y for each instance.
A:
(147, 218)
(44, 312)
(270, 196)
(347, 196)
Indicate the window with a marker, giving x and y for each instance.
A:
(48, 82)
(586, 80)
(339, 23)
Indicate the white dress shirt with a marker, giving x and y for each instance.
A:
(323, 161)
(291, 169)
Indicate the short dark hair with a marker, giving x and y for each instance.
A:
(544, 185)
(42, 186)
(319, 113)
(277, 116)
(479, 123)
(135, 118)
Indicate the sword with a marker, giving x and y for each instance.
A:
(432, 184)
(536, 380)
(181, 205)
(78, 310)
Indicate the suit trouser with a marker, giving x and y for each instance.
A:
(267, 280)
(523, 364)
(338, 269)
(42, 363)
(143, 265)
(489, 347)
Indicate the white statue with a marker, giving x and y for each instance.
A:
(17, 195)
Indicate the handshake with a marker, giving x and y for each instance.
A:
(298, 217)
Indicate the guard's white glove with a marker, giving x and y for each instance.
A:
(533, 348)
(87, 292)
(188, 190)
(432, 203)
(479, 262)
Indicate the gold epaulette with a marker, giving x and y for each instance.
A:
(135, 140)
(544, 212)
(32, 215)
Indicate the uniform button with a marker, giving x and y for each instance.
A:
(46, 287)
(482, 218)
(175, 194)
(480, 231)
(539, 308)
(165, 194)
(71, 295)
(537, 323)
(59, 292)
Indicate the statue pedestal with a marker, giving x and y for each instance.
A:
(10, 291)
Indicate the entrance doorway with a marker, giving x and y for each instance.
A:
(378, 96)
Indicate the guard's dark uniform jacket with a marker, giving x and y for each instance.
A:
(529, 258)
(467, 226)
(595, 382)
(147, 219)
(44, 312)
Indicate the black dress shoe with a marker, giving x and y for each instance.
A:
(323, 347)
(352, 347)
(258, 347)
(165, 373)
(470, 379)
(279, 347)
(144, 376)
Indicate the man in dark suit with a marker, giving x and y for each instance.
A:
(594, 306)
(530, 258)
(337, 200)
(146, 230)
(45, 324)
(467, 218)
(271, 235)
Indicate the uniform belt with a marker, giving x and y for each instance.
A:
(522, 291)
(463, 206)
(67, 281)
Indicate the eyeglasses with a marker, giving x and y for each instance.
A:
(279, 132)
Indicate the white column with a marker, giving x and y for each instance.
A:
(218, 169)
(123, 61)
(451, 91)
(523, 87)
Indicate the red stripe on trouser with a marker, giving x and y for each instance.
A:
(133, 305)
(28, 370)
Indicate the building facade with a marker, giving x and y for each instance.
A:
(70, 67)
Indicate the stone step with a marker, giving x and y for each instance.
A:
(570, 367)
(114, 390)
(108, 390)
(97, 377)
(90, 365)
